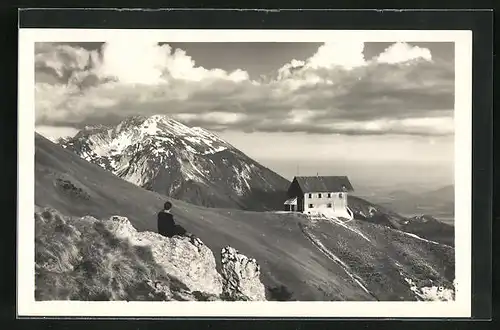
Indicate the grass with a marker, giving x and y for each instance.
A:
(388, 258)
(81, 260)
(286, 256)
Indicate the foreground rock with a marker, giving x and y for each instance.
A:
(241, 276)
(89, 259)
(187, 259)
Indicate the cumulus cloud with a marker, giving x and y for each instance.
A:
(62, 60)
(138, 62)
(336, 90)
(347, 55)
(403, 52)
(142, 63)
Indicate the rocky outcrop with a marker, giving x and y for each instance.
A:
(158, 290)
(90, 259)
(187, 259)
(190, 260)
(240, 276)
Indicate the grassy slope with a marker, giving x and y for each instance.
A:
(285, 255)
(383, 258)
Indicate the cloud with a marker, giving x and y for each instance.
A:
(138, 62)
(347, 55)
(62, 60)
(335, 91)
(403, 52)
(142, 63)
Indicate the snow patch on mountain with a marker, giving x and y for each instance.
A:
(242, 177)
(156, 136)
(162, 154)
(190, 170)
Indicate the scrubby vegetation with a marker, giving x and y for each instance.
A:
(82, 260)
(70, 188)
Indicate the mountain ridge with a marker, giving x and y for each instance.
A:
(438, 202)
(189, 163)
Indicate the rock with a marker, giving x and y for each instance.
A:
(186, 258)
(120, 227)
(240, 276)
(188, 265)
(157, 291)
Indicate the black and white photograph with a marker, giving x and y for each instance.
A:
(257, 169)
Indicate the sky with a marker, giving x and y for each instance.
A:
(376, 111)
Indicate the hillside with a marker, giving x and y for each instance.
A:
(439, 203)
(299, 260)
(186, 163)
(424, 226)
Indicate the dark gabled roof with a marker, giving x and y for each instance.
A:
(324, 183)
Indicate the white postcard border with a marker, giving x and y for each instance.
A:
(461, 307)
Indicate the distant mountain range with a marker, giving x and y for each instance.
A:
(369, 258)
(187, 163)
(438, 202)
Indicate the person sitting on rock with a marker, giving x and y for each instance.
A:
(166, 224)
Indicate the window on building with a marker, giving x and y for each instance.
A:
(329, 205)
(340, 195)
(311, 206)
(329, 195)
(319, 195)
(310, 195)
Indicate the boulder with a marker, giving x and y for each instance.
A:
(185, 258)
(240, 276)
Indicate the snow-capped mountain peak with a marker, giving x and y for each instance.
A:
(162, 154)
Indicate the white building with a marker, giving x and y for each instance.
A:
(320, 195)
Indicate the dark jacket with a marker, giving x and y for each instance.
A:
(167, 226)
